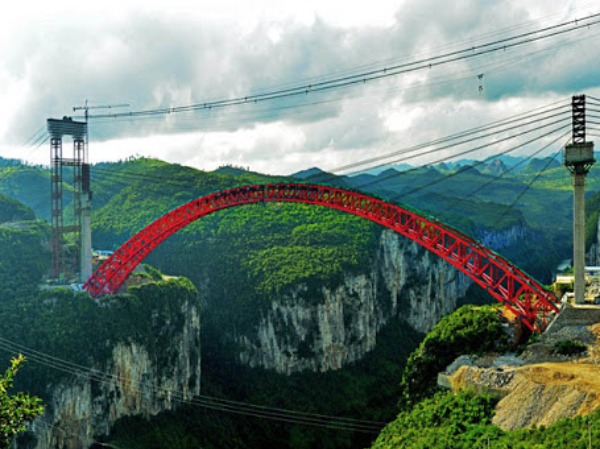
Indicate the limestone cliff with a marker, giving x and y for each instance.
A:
(499, 239)
(138, 378)
(341, 325)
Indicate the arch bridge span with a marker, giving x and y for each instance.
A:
(519, 292)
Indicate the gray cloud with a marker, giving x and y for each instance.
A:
(153, 61)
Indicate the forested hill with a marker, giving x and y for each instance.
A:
(475, 200)
(29, 186)
(251, 251)
(24, 248)
(473, 197)
(11, 210)
(129, 195)
(434, 418)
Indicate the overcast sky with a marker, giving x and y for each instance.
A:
(153, 54)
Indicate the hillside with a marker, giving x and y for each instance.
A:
(477, 195)
(95, 362)
(472, 196)
(296, 295)
(12, 211)
(552, 404)
(268, 246)
(24, 246)
(29, 186)
(284, 286)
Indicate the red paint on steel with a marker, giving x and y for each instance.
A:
(508, 284)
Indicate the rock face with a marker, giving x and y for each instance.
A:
(542, 394)
(497, 240)
(593, 254)
(299, 333)
(132, 382)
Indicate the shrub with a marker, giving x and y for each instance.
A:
(569, 347)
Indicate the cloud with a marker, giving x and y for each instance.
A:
(152, 58)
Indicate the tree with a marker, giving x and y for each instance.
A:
(18, 409)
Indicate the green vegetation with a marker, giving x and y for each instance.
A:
(444, 421)
(318, 252)
(469, 330)
(25, 258)
(71, 326)
(463, 421)
(270, 246)
(18, 409)
(12, 210)
(474, 201)
(252, 253)
(569, 347)
(29, 186)
(240, 259)
(365, 390)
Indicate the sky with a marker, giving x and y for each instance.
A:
(156, 54)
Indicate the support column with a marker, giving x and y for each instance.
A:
(76, 163)
(56, 201)
(86, 225)
(579, 158)
(579, 236)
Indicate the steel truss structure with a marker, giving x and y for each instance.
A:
(58, 128)
(519, 293)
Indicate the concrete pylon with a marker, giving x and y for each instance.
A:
(579, 236)
(579, 158)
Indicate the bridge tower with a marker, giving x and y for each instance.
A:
(579, 158)
(69, 244)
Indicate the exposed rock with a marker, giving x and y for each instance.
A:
(463, 360)
(542, 394)
(340, 327)
(533, 395)
(495, 167)
(132, 382)
(539, 393)
(494, 380)
(299, 333)
(496, 240)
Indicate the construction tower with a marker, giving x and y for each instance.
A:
(70, 241)
(579, 158)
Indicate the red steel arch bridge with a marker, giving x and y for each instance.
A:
(517, 291)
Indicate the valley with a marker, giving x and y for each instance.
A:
(301, 308)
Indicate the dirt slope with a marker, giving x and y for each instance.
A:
(540, 393)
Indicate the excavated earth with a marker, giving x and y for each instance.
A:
(539, 386)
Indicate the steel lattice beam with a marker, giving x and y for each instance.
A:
(520, 293)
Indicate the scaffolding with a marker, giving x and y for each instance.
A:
(69, 263)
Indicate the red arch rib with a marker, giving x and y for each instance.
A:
(521, 294)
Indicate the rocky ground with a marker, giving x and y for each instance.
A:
(540, 385)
